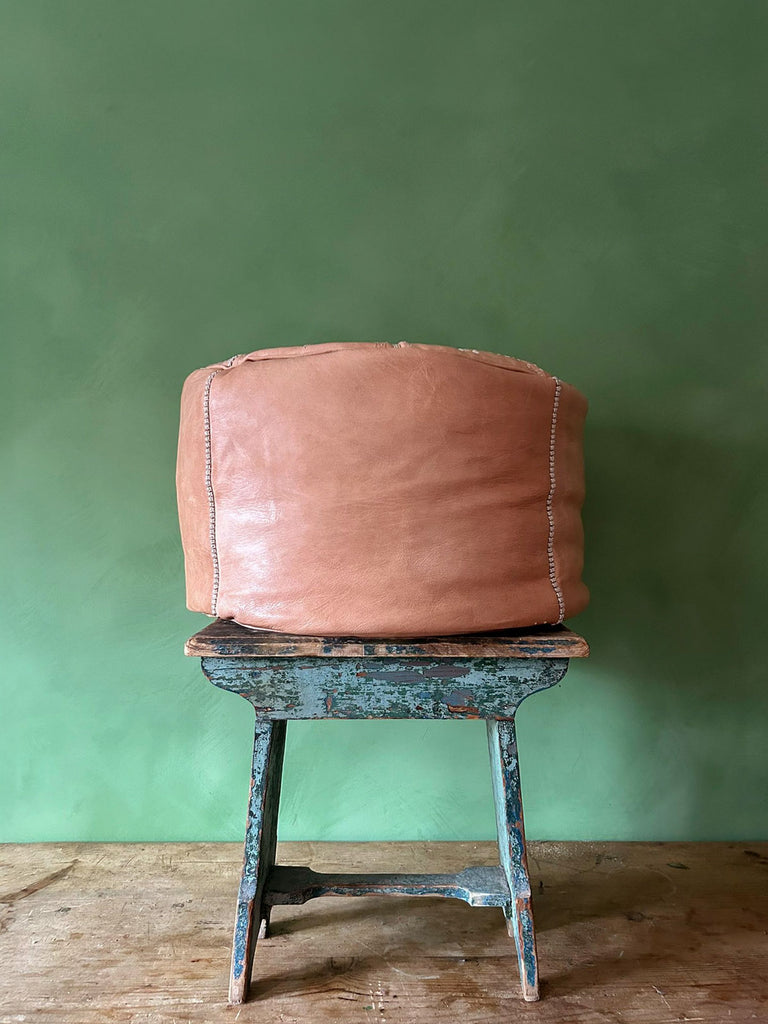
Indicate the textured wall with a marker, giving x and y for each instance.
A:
(577, 184)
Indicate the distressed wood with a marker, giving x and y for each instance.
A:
(226, 639)
(138, 933)
(311, 688)
(507, 798)
(477, 886)
(252, 914)
(382, 679)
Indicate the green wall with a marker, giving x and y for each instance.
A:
(578, 184)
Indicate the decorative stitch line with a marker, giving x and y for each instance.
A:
(550, 503)
(209, 483)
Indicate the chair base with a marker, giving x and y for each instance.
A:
(441, 678)
(265, 884)
(477, 886)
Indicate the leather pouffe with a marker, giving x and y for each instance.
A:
(368, 489)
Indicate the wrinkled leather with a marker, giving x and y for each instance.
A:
(377, 490)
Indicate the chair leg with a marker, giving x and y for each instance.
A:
(502, 747)
(252, 918)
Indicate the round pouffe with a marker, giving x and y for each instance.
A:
(368, 489)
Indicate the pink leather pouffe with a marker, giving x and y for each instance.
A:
(368, 489)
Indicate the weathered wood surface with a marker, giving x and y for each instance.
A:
(510, 831)
(226, 639)
(310, 688)
(638, 933)
(252, 915)
(477, 886)
(282, 689)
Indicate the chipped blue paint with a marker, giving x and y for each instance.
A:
(477, 886)
(283, 688)
(507, 798)
(259, 850)
(307, 688)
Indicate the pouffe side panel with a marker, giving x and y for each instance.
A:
(408, 497)
(568, 498)
(192, 495)
(194, 490)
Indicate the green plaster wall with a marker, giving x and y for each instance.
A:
(578, 184)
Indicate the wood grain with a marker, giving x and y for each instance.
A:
(643, 933)
(226, 639)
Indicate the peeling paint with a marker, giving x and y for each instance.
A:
(315, 688)
(375, 688)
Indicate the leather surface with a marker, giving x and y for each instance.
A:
(376, 490)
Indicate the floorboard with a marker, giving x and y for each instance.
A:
(631, 933)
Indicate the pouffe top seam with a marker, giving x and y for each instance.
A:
(327, 348)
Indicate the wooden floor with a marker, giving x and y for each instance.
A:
(92, 934)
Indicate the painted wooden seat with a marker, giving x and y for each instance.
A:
(289, 677)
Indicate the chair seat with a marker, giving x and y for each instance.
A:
(227, 639)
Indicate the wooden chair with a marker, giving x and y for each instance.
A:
(296, 677)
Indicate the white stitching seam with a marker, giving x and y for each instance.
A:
(550, 503)
(209, 483)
